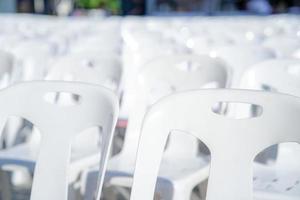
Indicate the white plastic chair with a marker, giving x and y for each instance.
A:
(33, 64)
(160, 78)
(97, 105)
(107, 41)
(134, 60)
(7, 77)
(7, 70)
(85, 151)
(283, 46)
(296, 54)
(205, 43)
(233, 143)
(281, 75)
(9, 41)
(277, 75)
(240, 57)
(88, 68)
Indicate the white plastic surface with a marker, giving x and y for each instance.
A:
(90, 69)
(284, 170)
(160, 78)
(233, 143)
(239, 58)
(98, 105)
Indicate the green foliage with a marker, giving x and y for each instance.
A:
(110, 5)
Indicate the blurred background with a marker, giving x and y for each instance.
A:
(115, 52)
(149, 7)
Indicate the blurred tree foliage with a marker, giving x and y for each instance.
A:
(109, 5)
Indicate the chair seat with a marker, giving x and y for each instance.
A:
(25, 155)
(273, 196)
(276, 182)
(120, 170)
(171, 168)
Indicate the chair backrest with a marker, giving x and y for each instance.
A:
(239, 58)
(7, 71)
(233, 143)
(88, 69)
(282, 75)
(58, 126)
(167, 75)
(109, 42)
(296, 54)
(32, 64)
(284, 46)
(205, 42)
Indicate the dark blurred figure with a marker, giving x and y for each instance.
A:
(281, 6)
(278, 6)
(28, 6)
(262, 7)
(25, 6)
(179, 5)
(133, 7)
(49, 7)
(241, 4)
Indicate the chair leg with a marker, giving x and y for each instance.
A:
(203, 189)
(181, 194)
(5, 186)
(110, 194)
(125, 193)
(167, 191)
(74, 192)
(88, 192)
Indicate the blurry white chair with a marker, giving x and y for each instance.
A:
(281, 75)
(160, 78)
(7, 77)
(206, 42)
(283, 46)
(240, 57)
(97, 105)
(134, 60)
(296, 54)
(33, 64)
(7, 70)
(101, 42)
(9, 41)
(85, 150)
(88, 68)
(233, 143)
(105, 58)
